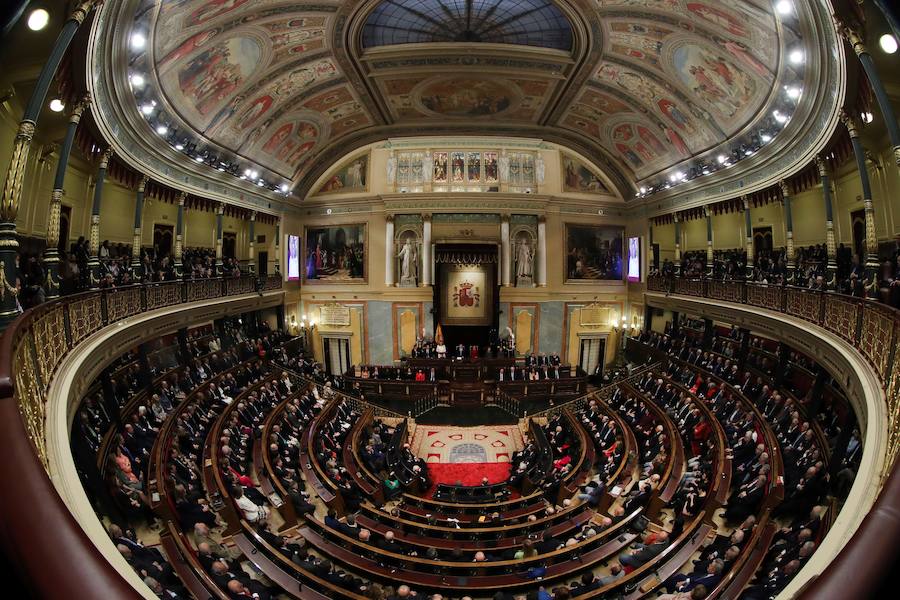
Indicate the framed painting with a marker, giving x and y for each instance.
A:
(593, 253)
(335, 254)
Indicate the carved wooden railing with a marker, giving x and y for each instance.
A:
(873, 329)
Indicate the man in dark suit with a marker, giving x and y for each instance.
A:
(642, 554)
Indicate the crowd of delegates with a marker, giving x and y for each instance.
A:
(806, 480)
(115, 269)
(810, 264)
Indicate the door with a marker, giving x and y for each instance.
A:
(163, 239)
(762, 240)
(858, 221)
(591, 353)
(337, 355)
(65, 218)
(262, 263)
(229, 244)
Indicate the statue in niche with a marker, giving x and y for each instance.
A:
(408, 264)
(524, 263)
(391, 169)
(504, 168)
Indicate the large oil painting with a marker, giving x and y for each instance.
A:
(468, 97)
(348, 179)
(579, 178)
(593, 253)
(335, 254)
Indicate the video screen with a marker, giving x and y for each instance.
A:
(634, 259)
(293, 258)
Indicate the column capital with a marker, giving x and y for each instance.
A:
(389, 217)
(675, 217)
(426, 217)
(104, 158)
(706, 212)
(785, 189)
(822, 166)
(542, 218)
(142, 184)
(745, 199)
(220, 208)
(852, 36)
(79, 108)
(850, 123)
(181, 198)
(504, 216)
(80, 12)
(253, 215)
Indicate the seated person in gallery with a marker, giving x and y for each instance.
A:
(461, 351)
(420, 375)
(473, 352)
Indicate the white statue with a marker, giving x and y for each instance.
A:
(391, 169)
(539, 169)
(504, 167)
(524, 259)
(407, 258)
(427, 167)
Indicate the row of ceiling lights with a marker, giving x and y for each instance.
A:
(148, 107)
(772, 125)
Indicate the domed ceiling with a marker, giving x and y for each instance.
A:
(639, 85)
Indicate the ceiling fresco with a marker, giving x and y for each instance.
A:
(639, 85)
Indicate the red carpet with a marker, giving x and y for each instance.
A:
(466, 473)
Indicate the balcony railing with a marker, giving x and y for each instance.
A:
(873, 329)
(36, 343)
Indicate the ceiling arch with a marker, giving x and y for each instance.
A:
(638, 85)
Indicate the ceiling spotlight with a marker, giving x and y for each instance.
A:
(56, 105)
(796, 57)
(673, 177)
(261, 183)
(766, 138)
(179, 147)
(784, 7)
(780, 117)
(199, 159)
(722, 158)
(254, 174)
(243, 177)
(285, 187)
(888, 43)
(643, 190)
(793, 92)
(867, 117)
(162, 130)
(38, 19)
(137, 80)
(147, 109)
(138, 41)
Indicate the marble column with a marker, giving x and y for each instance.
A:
(505, 258)
(137, 267)
(830, 246)
(677, 245)
(427, 259)
(542, 252)
(652, 260)
(278, 247)
(51, 252)
(870, 260)
(94, 267)
(748, 230)
(220, 213)
(709, 241)
(389, 250)
(789, 230)
(11, 196)
(178, 259)
(881, 95)
(251, 252)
